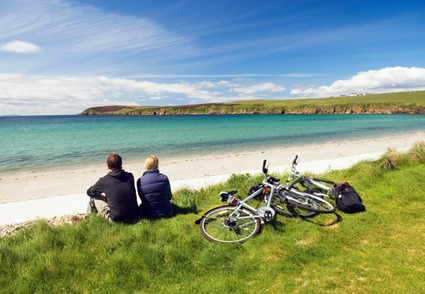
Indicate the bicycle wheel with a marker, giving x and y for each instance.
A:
(228, 225)
(309, 202)
(281, 206)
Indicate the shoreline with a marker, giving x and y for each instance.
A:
(46, 194)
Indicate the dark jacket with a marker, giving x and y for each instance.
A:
(155, 192)
(118, 186)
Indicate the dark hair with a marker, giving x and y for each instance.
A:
(114, 161)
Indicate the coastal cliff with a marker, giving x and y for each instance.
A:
(390, 103)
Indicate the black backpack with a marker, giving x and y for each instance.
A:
(347, 199)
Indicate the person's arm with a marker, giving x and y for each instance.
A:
(139, 190)
(96, 191)
(170, 194)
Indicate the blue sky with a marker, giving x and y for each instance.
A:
(63, 56)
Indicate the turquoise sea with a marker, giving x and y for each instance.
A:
(32, 142)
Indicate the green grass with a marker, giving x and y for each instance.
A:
(379, 251)
(402, 102)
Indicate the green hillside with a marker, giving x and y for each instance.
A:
(388, 103)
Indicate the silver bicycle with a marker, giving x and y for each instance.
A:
(238, 221)
(316, 186)
(292, 200)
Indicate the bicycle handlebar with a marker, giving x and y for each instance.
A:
(295, 160)
(265, 169)
(293, 169)
(267, 178)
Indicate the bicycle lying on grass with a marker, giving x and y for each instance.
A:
(346, 197)
(291, 200)
(316, 186)
(239, 221)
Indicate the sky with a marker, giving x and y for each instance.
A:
(63, 56)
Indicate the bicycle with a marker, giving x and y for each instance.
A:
(239, 221)
(317, 186)
(292, 201)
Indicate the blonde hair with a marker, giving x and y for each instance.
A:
(151, 162)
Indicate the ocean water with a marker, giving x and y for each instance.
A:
(32, 142)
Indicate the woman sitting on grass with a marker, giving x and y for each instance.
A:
(155, 191)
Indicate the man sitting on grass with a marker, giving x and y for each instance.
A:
(114, 195)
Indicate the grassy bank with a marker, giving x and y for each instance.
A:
(404, 102)
(381, 250)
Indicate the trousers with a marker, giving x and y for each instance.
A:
(98, 206)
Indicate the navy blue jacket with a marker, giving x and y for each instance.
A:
(121, 197)
(155, 192)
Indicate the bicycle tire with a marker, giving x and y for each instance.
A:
(309, 202)
(281, 206)
(217, 227)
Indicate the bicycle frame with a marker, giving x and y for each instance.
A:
(314, 181)
(261, 212)
(265, 212)
(309, 181)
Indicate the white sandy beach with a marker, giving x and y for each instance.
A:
(31, 195)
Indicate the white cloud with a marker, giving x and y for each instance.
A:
(265, 87)
(71, 27)
(389, 79)
(21, 94)
(25, 95)
(20, 47)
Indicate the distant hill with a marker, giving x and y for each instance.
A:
(388, 103)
